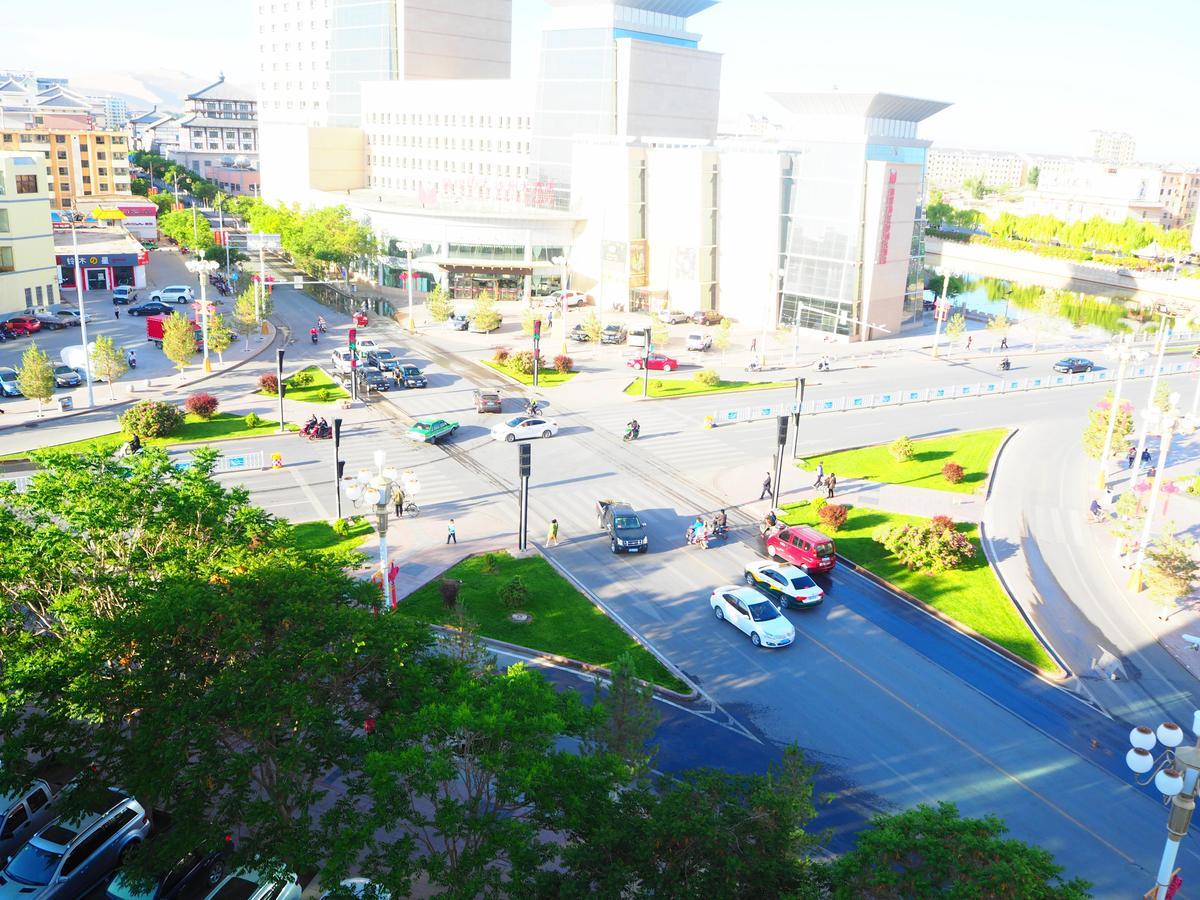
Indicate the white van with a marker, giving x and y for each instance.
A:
(638, 337)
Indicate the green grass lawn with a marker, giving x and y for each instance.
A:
(971, 594)
(221, 427)
(319, 537)
(313, 391)
(546, 377)
(683, 387)
(564, 622)
(973, 450)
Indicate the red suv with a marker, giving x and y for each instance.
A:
(22, 325)
(802, 546)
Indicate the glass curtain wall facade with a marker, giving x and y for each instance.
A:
(576, 95)
(821, 237)
(364, 46)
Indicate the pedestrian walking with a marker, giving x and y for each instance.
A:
(116, 312)
(1004, 342)
(451, 534)
(552, 534)
(766, 490)
(820, 475)
(398, 500)
(1145, 456)
(1129, 457)
(969, 338)
(830, 484)
(753, 344)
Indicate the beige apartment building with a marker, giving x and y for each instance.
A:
(78, 164)
(27, 270)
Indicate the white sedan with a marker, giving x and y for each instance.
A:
(365, 345)
(790, 585)
(524, 428)
(750, 612)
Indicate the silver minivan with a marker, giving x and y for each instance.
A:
(22, 814)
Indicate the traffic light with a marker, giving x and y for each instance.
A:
(781, 437)
(537, 330)
(353, 338)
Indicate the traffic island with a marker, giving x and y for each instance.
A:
(973, 451)
(563, 622)
(547, 378)
(311, 385)
(969, 597)
(663, 388)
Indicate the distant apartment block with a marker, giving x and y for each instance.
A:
(79, 164)
(1115, 147)
(949, 168)
(220, 136)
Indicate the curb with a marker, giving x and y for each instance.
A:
(182, 445)
(987, 494)
(962, 629)
(120, 404)
(567, 662)
(776, 386)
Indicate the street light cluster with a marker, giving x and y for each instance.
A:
(378, 489)
(202, 268)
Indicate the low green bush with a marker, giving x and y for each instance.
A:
(707, 377)
(151, 418)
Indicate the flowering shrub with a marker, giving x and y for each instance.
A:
(564, 363)
(952, 472)
(201, 404)
(901, 449)
(931, 548)
(501, 355)
(151, 418)
(833, 515)
(268, 383)
(522, 362)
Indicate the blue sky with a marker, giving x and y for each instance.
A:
(1025, 74)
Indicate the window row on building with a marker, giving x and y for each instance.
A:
(453, 143)
(449, 165)
(450, 120)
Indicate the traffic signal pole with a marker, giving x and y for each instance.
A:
(781, 440)
(537, 337)
(353, 363)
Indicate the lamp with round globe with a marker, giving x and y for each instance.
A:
(377, 488)
(201, 268)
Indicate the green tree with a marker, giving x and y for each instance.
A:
(461, 773)
(999, 327)
(36, 378)
(956, 327)
(1171, 568)
(108, 361)
(723, 336)
(220, 338)
(630, 717)
(439, 304)
(140, 186)
(1032, 176)
(219, 671)
(179, 340)
(165, 203)
(933, 852)
(592, 326)
(1162, 397)
(245, 313)
(1097, 428)
(1047, 316)
(673, 837)
(659, 334)
(216, 253)
(484, 316)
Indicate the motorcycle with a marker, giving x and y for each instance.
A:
(631, 434)
(823, 365)
(322, 432)
(753, 366)
(321, 325)
(309, 427)
(312, 333)
(1005, 365)
(132, 362)
(701, 537)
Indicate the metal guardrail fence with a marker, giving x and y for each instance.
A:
(928, 395)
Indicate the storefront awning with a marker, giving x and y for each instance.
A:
(101, 215)
(465, 264)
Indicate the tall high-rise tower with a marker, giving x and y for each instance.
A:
(628, 69)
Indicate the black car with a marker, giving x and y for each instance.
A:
(411, 377)
(371, 378)
(384, 360)
(194, 875)
(613, 334)
(1073, 364)
(151, 308)
(65, 376)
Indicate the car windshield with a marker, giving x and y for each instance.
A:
(763, 612)
(824, 551)
(33, 865)
(63, 370)
(513, 423)
(803, 582)
(8, 376)
(411, 370)
(627, 522)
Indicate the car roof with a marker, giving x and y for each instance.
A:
(807, 531)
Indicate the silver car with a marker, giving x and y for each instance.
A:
(66, 859)
(22, 813)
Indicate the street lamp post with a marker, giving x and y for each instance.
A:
(1167, 423)
(378, 489)
(279, 386)
(408, 248)
(1176, 774)
(1158, 361)
(561, 261)
(1124, 353)
(73, 218)
(201, 269)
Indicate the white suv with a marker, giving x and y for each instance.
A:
(174, 293)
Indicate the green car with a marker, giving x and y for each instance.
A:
(432, 431)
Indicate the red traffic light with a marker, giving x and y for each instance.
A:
(537, 328)
(353, 335)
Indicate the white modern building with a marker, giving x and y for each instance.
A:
(611, 160)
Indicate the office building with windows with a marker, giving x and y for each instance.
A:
(612, 159)
(220, 136)
(27, 271)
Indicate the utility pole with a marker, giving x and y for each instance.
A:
(524, 459)
(939, 313)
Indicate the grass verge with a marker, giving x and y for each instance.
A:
(564, 621)
(546, 377)
(970, 594)
(221, 427)
(973, 450)
(314, 390)
(319, 537)
(683, 387)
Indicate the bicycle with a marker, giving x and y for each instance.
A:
(411, 509)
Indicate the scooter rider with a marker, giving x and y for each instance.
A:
(312, 333)
(321, 324)
(309, 425)
(1005, 365)
(720, 522)
(632, 430)
(132, 360)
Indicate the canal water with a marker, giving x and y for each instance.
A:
(1113, 312)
